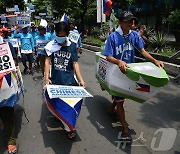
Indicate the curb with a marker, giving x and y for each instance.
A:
(171, 69)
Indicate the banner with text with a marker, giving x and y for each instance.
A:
(59, 91)
(6, 59)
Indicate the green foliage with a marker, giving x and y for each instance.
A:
(158, 41)
(93, 40)
(174, 18)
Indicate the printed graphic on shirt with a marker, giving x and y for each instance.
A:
(61, 60)
(41, 44)
(124, 50)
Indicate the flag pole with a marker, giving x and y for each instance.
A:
(101, 12)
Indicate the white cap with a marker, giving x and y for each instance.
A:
(43, 23)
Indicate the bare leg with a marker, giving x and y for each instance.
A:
(121, 113)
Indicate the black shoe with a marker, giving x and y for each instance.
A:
(125, 137)
(31, 72)
(25, 70)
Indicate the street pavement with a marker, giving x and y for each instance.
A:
(154, 125)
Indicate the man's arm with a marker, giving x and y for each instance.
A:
(121, 64)
(78, 73)
(47, 70)
(148, 56)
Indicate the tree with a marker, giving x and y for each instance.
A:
(10, 4)
(74, 9)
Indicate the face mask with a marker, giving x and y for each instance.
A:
(60, 39)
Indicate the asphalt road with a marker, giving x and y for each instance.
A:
(97, 131)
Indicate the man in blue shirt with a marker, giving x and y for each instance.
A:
(79, 43)
(119, 50)
(33, 31)
(40, 42)
(52, 33)
(27, 47)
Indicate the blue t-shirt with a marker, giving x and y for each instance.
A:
(122, 47)
(27, 42)
(62, 72)
(34, 34)
(51, 35)
(41, 42)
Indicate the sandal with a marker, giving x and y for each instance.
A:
(125, 137)
(12, 149)
(71, 135)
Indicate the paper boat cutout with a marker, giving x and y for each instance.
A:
(140, 83)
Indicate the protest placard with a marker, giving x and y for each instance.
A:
(6, 59)
(73, 36)
(60, 91)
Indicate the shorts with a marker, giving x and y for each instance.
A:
(117, 98)
(27, 57)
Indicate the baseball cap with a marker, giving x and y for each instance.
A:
(126, 15)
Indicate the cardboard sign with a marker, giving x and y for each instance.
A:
(59, 91)
(6, 59)
(74, 37)
(41, 44)
(23, 21)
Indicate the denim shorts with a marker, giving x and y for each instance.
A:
(118, 98)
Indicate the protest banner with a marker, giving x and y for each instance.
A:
(60, 91)
(23, 21)
(73, 36)
(6, 59)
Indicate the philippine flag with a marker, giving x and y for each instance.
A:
(142, 87)
(64, 18)
(66, 110)
(107, 7)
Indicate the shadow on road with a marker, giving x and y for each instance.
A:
(53, 133)
(97, 108)
(163, 109)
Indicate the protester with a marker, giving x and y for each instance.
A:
(64, 60)
(7, 112)
(40, 42)
(142, 32)
(79, 43)
(27, 47)
(119, 50)
(33, 31)
(51, 34)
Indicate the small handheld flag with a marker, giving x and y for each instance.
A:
(64, 18)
